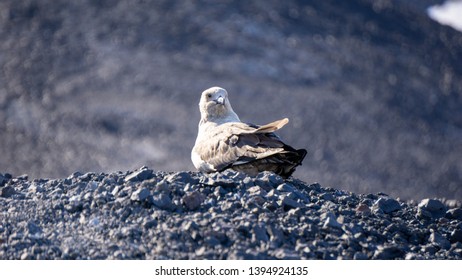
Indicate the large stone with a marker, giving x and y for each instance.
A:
(435, 207)
(387, 205)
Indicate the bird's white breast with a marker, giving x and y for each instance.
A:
(200, 164)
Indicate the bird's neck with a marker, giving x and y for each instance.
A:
(217, 120)
(219, 115)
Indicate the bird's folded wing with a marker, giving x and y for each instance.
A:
(239, 128)
(239, 143)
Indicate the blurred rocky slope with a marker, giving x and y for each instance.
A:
(372, 88)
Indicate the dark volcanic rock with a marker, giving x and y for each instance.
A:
(437, 239)
(455, 213)
(388, 253)
(7, 191)
(3, 179)
(233, 216)
(456, 236)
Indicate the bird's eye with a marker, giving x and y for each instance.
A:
(209, 95)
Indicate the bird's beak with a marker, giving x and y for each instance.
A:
(220, 100)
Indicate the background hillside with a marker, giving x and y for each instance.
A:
(372, 88)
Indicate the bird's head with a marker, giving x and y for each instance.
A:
(215, 106)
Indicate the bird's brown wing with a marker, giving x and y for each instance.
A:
(233, 144)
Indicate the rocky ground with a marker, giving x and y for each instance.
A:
(372, 88)
(186, 215)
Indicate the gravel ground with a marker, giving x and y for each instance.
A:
(145, 214)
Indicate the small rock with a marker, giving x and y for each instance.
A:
(289, 203)
(412, 256)
(141, 175)
(211, 241)
(388, 253)
(276, 235)
(435, 207)
(456, 236)
(26, 256)
(163, 201)
(184, 177)
(35, 188)
(331, 221)
(430, 249)
(327, 196)
(387, 205)
(360, 256)
(439, 240)
(424, 214)
(286, 254)
(7, 192)
(193, 200)
(140, 194)
(218, 179)
(150, 224)
(3, 180)
(285, 188)
(23, 177)
(33, 229)
(256, 190)
(163, 187)
(270, 177)
(454, 214)
(259, 234)
(363, 209)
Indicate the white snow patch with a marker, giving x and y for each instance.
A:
(449, 13)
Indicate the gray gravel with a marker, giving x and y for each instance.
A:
(187, 215)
